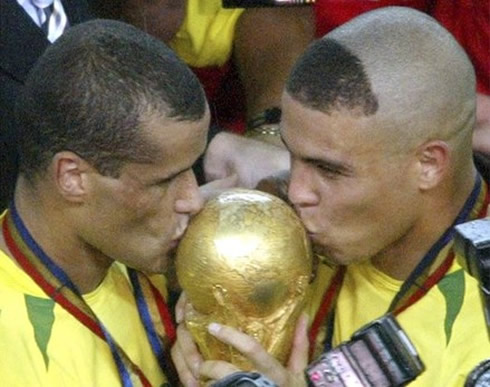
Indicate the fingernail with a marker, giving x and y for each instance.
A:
(195, 369)
(178, 317)
(214, 328)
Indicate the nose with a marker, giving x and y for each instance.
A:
(301, 192)
(190, 200)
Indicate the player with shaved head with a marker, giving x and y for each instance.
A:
(378, 118)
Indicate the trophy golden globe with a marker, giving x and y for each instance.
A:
(246, 262)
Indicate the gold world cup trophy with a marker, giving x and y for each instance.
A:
(246, 262)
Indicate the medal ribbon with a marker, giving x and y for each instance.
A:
(326, 310)
(161, 335)
(430, 270)
(57, 285)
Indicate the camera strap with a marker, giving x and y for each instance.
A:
(56, 284)
(430, 270)
(326, 311)
(435, 264)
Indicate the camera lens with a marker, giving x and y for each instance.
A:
(480, 376)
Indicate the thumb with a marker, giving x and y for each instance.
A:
(180, 307)
(298, 360)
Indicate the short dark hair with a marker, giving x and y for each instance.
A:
(92, 88)
(328, 77)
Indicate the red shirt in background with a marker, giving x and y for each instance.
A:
(469, 22)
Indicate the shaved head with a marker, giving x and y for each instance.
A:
(395, 64)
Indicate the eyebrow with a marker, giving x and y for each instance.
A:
(325, 163)
(334, 166)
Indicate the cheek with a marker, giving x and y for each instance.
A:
(343, 198)
(148, 201)
(378, 215)
(156, 215)
(157, 209)
(129, 196)
(143, 214)
(351, 212)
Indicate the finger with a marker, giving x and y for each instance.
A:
(216, 172)
(214, 188)
(190, 358)
(189, 312)
(276, 184)
(216, 369)
(185, 375)
(283, 178)
(298, 359)
(180, 307)
(248, 346)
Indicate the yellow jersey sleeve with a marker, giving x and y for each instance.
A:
(206, 35)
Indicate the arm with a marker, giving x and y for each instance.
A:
(481, 135)
(160, 18)
(267, 43)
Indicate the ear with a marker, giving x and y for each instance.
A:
(433, 158)
(71, 175)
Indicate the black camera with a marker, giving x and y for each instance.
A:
(472, 241)
(480, 376)
(379, 355)
(264, 3)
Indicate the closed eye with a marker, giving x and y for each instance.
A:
(166, 180)
(330, 169)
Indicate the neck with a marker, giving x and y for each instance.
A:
(400, 259)
(56, 234)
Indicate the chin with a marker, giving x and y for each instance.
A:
(161, 265)
(161, 268)
(325, 254)
(331, 256)
(157, 264)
